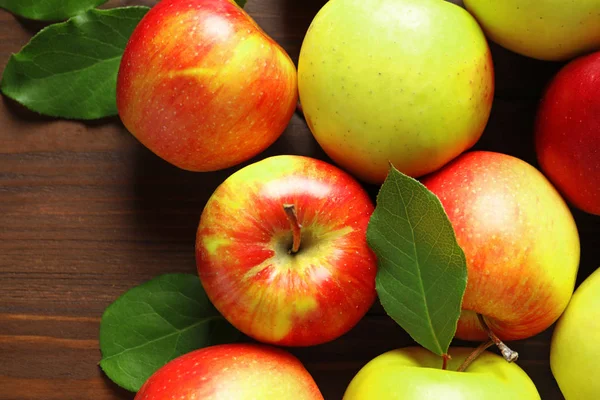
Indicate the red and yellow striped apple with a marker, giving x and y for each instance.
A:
(281, 251)
(519, 238)
(202, 86)
(567, 134)
(231, 371)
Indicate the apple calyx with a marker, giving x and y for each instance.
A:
(508, 354)
(290, 212)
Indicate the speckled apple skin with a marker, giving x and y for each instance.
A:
(414, 373)
(202, 86)
(243, 242)
(575, 343)
(519, 238)
(552, 30)
(409, 82)
(567, 134)
(232, 371)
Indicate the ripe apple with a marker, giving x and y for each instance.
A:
(544, 29)
(414, 373)
(575, 343)
(567, 132)
(231, 371)
(202, 86)
(281, 251)
(519, 238)
(404, 81)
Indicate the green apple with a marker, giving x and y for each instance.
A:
(575, 345)
(414, 373)
(404, 81)
(552, 30)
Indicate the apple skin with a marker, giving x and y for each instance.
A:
(404, 81)
(414, 373)
(242, 243)
(575, 344)
(202, 86)
(519, 238)
(231, 371)
(567, 134)
(548, 30)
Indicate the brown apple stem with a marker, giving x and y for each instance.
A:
(508, 354)
(473, 356)
(290, 211)
(445, 359)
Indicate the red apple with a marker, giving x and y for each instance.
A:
(246, 258)
(232, 371)
(202, 86)
(519, 238)
(568, 132)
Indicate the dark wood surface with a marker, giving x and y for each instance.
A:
(86, 213)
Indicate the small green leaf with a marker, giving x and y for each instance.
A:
(69, 69)
(49, 10)
(241, 3)
(422, 272)
(156, 322)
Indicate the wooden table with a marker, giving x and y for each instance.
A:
(86, 213)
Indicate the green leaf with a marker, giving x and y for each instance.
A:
(69, 69)
(422, 272)
(49, 10)
(156, 322)
(241, 3)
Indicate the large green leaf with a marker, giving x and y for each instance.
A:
(422, 273)
(69, 69)
(156, 322)
(49, 10)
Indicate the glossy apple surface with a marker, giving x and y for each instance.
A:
(243, 254)
(567, 134)
(519, 238)
(550, 30)
(231, 371)
(575, 345)
(202, 86)
(406, 81)
(414, 373)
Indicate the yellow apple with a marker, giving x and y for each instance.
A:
(414, 373)
(404, 81)
(575, 346)
(552, 30)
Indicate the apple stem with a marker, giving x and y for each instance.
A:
(508, 354)
(445, 359)
(290, 211)
(473, 356)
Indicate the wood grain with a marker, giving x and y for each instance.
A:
(86, 213)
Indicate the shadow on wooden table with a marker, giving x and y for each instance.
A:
(23, 113)
(118, 391)
(170, 200)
